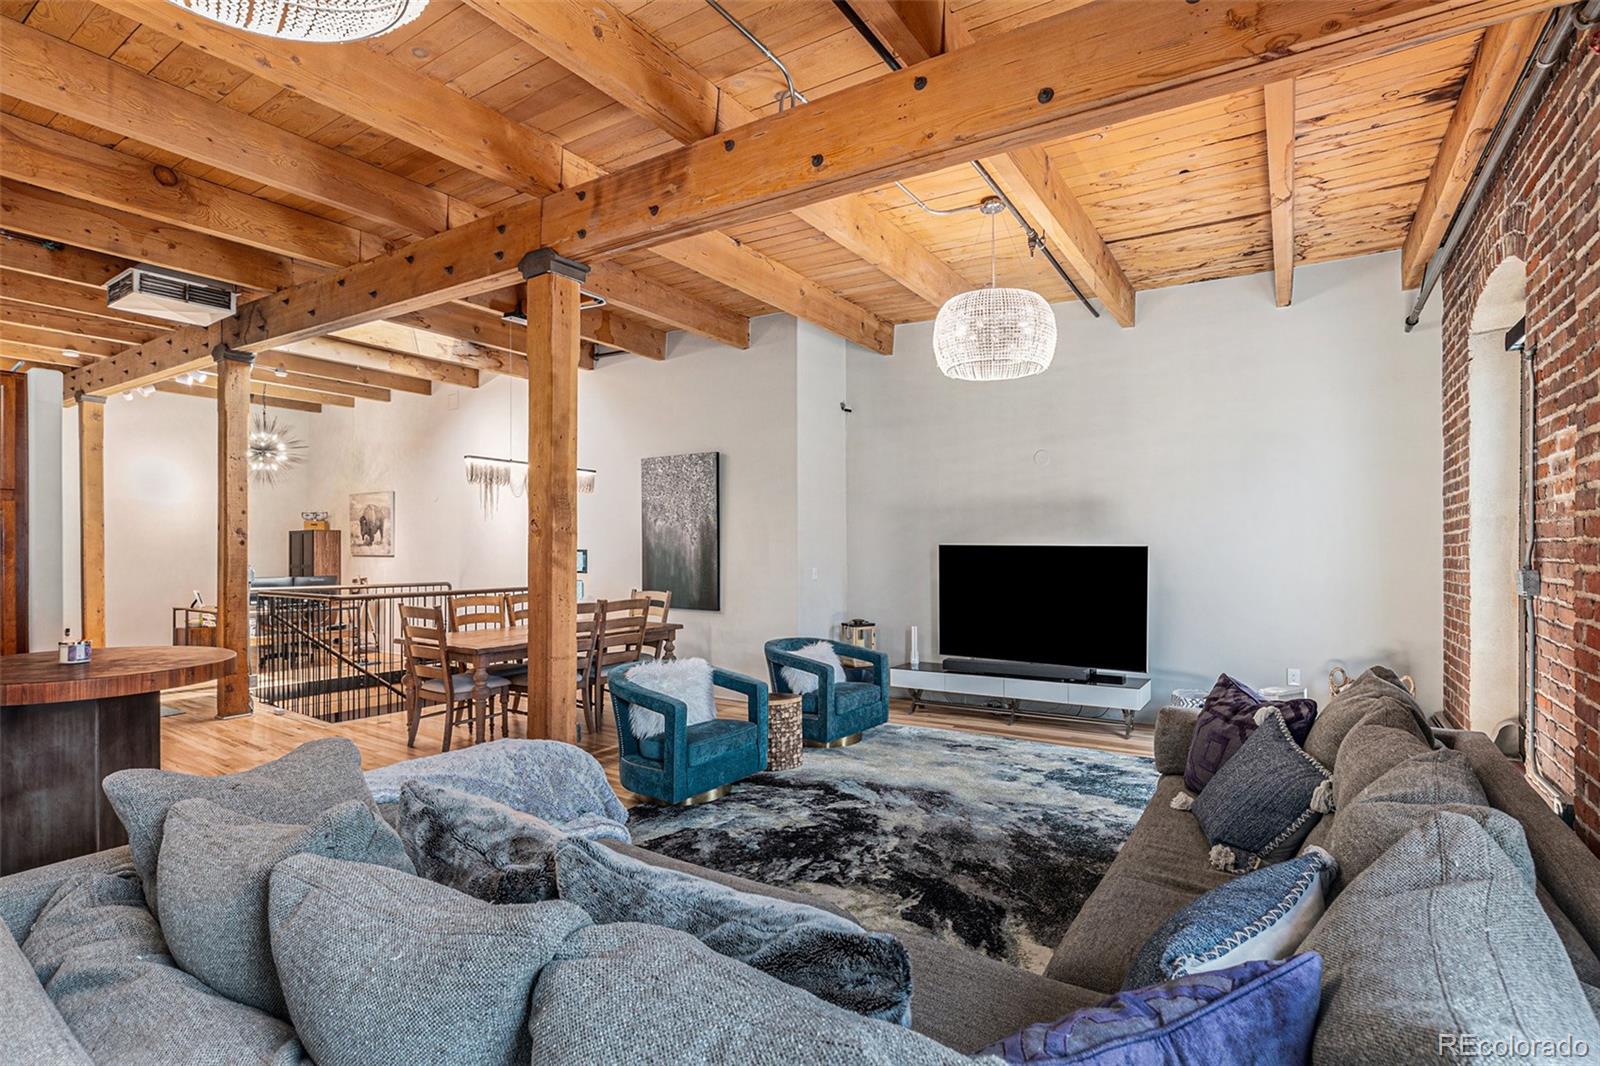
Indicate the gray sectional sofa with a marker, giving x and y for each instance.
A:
(966, 1000)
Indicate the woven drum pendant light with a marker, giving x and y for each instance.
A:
(309, 20)
(994, 334)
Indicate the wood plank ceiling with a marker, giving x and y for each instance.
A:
(288, 186)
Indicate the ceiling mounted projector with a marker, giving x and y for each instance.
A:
(170, 295)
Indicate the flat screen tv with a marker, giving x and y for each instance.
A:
(1081, 607)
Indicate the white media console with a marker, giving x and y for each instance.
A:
(1128, 695)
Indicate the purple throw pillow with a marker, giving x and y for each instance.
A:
(1226, 722)
(1252, 1012)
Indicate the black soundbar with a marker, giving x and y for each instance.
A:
(1041, 671)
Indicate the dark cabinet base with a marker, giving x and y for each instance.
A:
(53, 757)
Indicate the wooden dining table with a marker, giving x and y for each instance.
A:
(480, 649)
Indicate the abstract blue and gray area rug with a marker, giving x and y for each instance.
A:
(972, 839)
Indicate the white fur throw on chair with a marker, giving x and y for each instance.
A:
(802, 681)
(688, 680)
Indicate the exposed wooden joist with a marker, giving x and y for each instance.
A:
(79, 325)
(551, 302)
(51, 73)
(233, 533)
(418, 334)
(1502, 54)
(203, 392)
(54, 160)
(310, 366)
(353, 79)
(1005, 92)
(92, 520)
(419, 110)
(1027, 177)
(973, 101)
(42, 213)
(275, 381)
(10, 331)
(266, 386)
(912, 30)
(616, 330)
(1279, 100)
(55, 358)
(600, 44)
(75, 265)
(75, 299)
(360, 356)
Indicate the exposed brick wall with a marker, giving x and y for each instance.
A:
(1544, 208)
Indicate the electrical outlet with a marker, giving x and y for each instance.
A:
(1292, 676)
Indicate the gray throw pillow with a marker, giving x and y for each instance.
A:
(213, 874)
(1442, 937)
(633, 993)
(1407, 793)
(1264, 800)
(380, 966)
(292, 790)
(101, 957)
(478, 846)
(1368, 752)
(834, 959)
(1377, 697)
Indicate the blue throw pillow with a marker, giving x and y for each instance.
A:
(1260, 917)
(1256, 1012)
(1264, 800)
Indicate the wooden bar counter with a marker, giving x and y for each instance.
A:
(64, 728)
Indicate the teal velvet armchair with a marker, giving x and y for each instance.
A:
(838, 712)
(688, 763)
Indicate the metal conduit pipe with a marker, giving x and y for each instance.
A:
(1035, 240)
(1545, 57)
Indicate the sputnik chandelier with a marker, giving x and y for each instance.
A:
(309, 20)
(272, 450)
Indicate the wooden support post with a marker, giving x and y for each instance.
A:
(554, 349)
(233, 527)
(92, 516)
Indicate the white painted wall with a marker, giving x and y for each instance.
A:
(822, 504)
(1283, 465)
(161, 512)
(46, 620)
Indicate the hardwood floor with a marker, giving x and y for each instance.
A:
(197, 742)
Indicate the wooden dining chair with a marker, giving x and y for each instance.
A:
(477, 611)
(620, 639)
(660, 605)
(589, 617)
(517, 608)
(433, 678)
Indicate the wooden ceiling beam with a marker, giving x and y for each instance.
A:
(41, 213)
(361, 357)
(1029, 180)
(268, 388)
(404, 335)
(422, 111)
(353, 79)
(202, 392)
(268, 375)
(610, 328)
(600, 44)
(1003, 93)
(1502, 54)
(62, 263)
(50, 355)
(1278, 97)
(54, 160)
(314, 367)
(87, 326)
(50, 338)
(51, 73)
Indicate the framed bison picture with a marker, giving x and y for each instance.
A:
(372, 523)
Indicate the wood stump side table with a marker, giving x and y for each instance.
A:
(785, 740)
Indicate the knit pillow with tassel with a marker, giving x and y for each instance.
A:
(1260, 805)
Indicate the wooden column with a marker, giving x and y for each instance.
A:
(92, 516)
(233, 528)
(554, 349)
